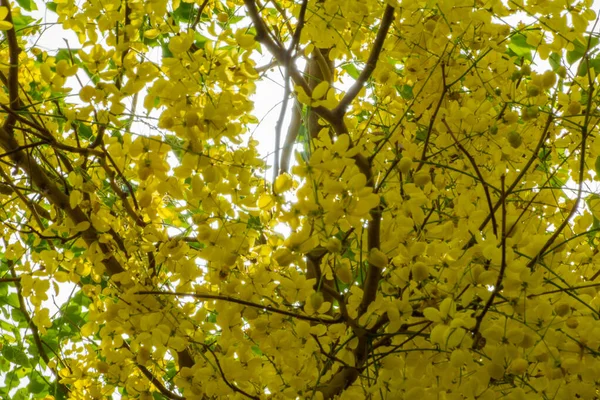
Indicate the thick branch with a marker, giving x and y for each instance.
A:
(281, 56)
(13, 69)
(374, 273)
(286, 95)
(55, 195)
(290, 138)
(343, 378)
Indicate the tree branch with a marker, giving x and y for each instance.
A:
(155, 381)
(287, 90)
(280, 55)
(433, 117)
(34, 329)
(386, 22)
(478, 172)
(498, 285)
(584, 134)
(290, 138)
(245, 303)
(231, 385)
(13, 69)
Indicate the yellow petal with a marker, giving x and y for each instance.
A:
(82, 226)
(5, 26)
(320, 90)
(151, 33)
(244, 40)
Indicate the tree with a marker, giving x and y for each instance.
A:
(443, 223)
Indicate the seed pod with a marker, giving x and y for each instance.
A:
(377, 258)
(404, 165)
(421, 178)
(515, 139)
(344, 274)
(562, 309)
(316, 300)
(420, 272)
(548, 79)
(533, 91)
(574, 108)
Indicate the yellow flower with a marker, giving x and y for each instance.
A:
(4, 25)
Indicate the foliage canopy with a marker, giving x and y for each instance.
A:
(443, 225)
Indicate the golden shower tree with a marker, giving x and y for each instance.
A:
(437, 179)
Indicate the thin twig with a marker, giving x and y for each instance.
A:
(231, 385)
(384, 27)
(498, 285)
(155, 381)
(433, 117)
(582, 170)
(199, 15)
(34, 329)
(287, 89)
(245, 303)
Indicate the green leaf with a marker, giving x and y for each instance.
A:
(84, 131)
(93, 77)
(28, 5)
(421, 135)
(585, 65)
(81, 299)
(351, 70)
(554, 61)
(22, 21)
(36, 383)
(518, 46)
(166, 53)
(184, 13)
(580, 49)
(212, 317)
(65, 54)
(51, 6)
(51, 339)
(254, 223)
(597, 166)
(593, 203)
(12, 300)
(177, 145)
(21, 394)
(256, 350)
(520, 40)
(150, 42)
(200, 40)
(405, 91)
(302, 134)
(15, 355)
